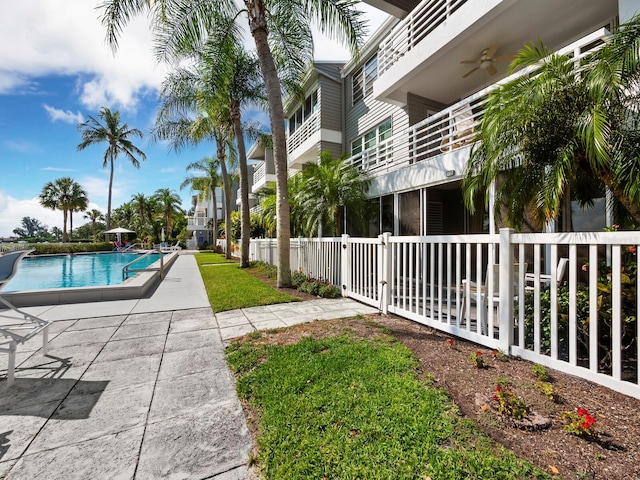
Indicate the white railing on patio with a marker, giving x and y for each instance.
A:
(505, 291)
(425, 18)
(310, 126)
(259, 173)
(198, 221)
(454, 127)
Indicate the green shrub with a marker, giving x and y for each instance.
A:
(297, 278)
(311, 287)
(541, 373)
(329, 291)
(63, 248)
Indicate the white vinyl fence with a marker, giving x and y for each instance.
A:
(566, 300)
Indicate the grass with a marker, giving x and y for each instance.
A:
(210, 258)
(229, 287)
(342, 408)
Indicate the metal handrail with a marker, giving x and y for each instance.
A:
(126, 270)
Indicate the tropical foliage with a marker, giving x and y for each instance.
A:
(63, 194)
(319, 196)
(562, 128)
(282, 35)
(118, 137)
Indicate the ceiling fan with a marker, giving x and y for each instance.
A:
(486, 61)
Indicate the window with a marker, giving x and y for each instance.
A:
(308, 108)
(362, 80)
(372, 137)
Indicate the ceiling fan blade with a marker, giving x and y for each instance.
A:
(501, 58)
(491, 51)
(469, 72)
(469, 61)
(492, 70)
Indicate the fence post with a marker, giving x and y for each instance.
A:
(506, 290)
(345, 267)
(385, 271)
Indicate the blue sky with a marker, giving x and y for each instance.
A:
(55, 69)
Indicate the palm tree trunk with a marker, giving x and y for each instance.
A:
(70, 224)
(227, 197)
(245, 222)
(109, 198)
(215, 217)
(258, 26)
(64, 225)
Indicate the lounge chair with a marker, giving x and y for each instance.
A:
(17, 329)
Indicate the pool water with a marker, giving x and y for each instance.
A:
(67, 271)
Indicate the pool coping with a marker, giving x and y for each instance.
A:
(135, 287)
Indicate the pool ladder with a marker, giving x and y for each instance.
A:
(126, 270)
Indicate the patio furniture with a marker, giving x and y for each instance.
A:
(483, 293)
(546, 279)
(17, 329)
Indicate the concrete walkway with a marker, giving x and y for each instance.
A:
(137, 388)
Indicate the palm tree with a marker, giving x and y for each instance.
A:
(62, 194)
(185, 25)
(117, 136)
(330, 187)
(94, 215)
(169, 201)
(184, 92)
(561, 129)
(207, 182)
(78, 203)
(233, 74)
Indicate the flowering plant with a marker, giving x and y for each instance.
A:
(450, 342)
(510, 404)
(579, 423)
(476, 359)
(498, 355)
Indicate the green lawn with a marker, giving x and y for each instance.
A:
(210, 258)
(229, 287)
(341, 408)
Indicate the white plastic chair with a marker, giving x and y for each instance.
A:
(546, 279)
(17, 329)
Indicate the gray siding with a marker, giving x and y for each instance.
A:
(367, 113)
(329, 98)
(420, 108)
(334, 148)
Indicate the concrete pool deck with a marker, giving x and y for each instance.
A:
(138, 388)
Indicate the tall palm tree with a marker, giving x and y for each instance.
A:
(78, 203)
(169, 201)
(206, 182)
(118, 137)
(62, 194)
(561, 129)
(185, 93)
(94, 216)
(330, 187)
(234, 75)
(282, 34)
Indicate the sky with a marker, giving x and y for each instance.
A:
(55, 70)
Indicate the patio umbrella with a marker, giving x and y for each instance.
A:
(119, 231)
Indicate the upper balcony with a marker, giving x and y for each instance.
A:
(264, 171)
(439, 146)
(423, 54)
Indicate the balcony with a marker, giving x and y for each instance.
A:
(439, 146)
(424, 53)
(198, 223)
(261, 178)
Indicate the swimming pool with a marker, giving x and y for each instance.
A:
(70, 271)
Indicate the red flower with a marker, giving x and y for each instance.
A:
(631, 249)
(478, 353)
(498, 388)
(450, 341)
(582, 412)
(494, 352)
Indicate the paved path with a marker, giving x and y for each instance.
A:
(137, 388)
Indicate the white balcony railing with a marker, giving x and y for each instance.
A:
(310, 126)
(453, 128)
(260, 173)
(198, 221)
(425, 18)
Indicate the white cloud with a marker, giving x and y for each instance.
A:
(67, 38)
(57, 169)
(13, 210)
(21, 146)
(66, 116)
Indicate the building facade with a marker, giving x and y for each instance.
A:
(406, 109)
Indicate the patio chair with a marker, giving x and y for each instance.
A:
(17, 329)
(483, 293)
(463, 128)
(546, 279)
